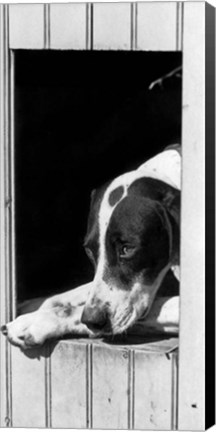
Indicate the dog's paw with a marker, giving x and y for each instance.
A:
(57, 316)
(33, 329)
(29, 330)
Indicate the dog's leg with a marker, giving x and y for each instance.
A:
(61, 315)
(57, 316)
(162, 318)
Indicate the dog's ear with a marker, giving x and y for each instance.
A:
(92, 209)
(95, 202)
(171, 201)
(92, 196)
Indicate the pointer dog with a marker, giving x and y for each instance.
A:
(132, 240)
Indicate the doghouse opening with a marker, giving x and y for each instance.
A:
(81, 118)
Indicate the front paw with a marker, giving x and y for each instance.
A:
(33, 329)
(29, 330)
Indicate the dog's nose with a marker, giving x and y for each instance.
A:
(4, 330)
(95, 319)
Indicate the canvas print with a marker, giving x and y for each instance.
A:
(94, 120)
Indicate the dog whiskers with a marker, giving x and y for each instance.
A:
(123, 323)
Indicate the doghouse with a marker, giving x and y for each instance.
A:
(78, 383)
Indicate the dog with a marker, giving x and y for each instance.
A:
(132, 240)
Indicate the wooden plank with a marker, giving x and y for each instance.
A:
(68, 26)
(28, 388)
(174, 408)
(6, 302)
(192, 306)
(68, 385)
(3, 295)
(112, 23)
(153, 395)
(26, 23)
(157, 26)
(79, 384)
(179, 30)
(110, 388)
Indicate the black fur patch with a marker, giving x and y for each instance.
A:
(116, 195)
(138, 223)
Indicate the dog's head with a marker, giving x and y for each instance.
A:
(132, 240)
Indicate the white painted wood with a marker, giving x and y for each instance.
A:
(26, 26)
(46, 26)
(3, 70)
(110, 386)
(157, 26)
(68, 385)
(111, 26)
(87, 384)
(192, 298)
(11, 188)
(4, 136)
(68, 26)
(28, 388)
(179, 30)
(174, 397)
(153, 393)
(6, 302)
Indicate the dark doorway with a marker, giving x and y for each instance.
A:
(81, 118)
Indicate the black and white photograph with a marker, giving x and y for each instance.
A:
(102, 214)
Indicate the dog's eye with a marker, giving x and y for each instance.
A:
(126, 251)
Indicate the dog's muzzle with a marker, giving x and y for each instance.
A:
(96, 320)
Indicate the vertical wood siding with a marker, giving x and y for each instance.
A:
(89, 26)
(145, 26)
(179, 26)
(157, 26)
(28, 389)
(27, 29)
(47, 26)
(7, 291)
(153, 392)
(68, 386)
(91, 385)
(71, 34)
(112, 26)
(192, 303)
(110, 388)
(3, 291)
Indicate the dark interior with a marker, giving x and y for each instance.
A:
(81, 118)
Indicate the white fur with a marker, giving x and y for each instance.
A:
(166, 166)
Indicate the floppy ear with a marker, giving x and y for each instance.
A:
(171, 201)
(95, 201)
(92, 196)
(92, 211)
(171, 204)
